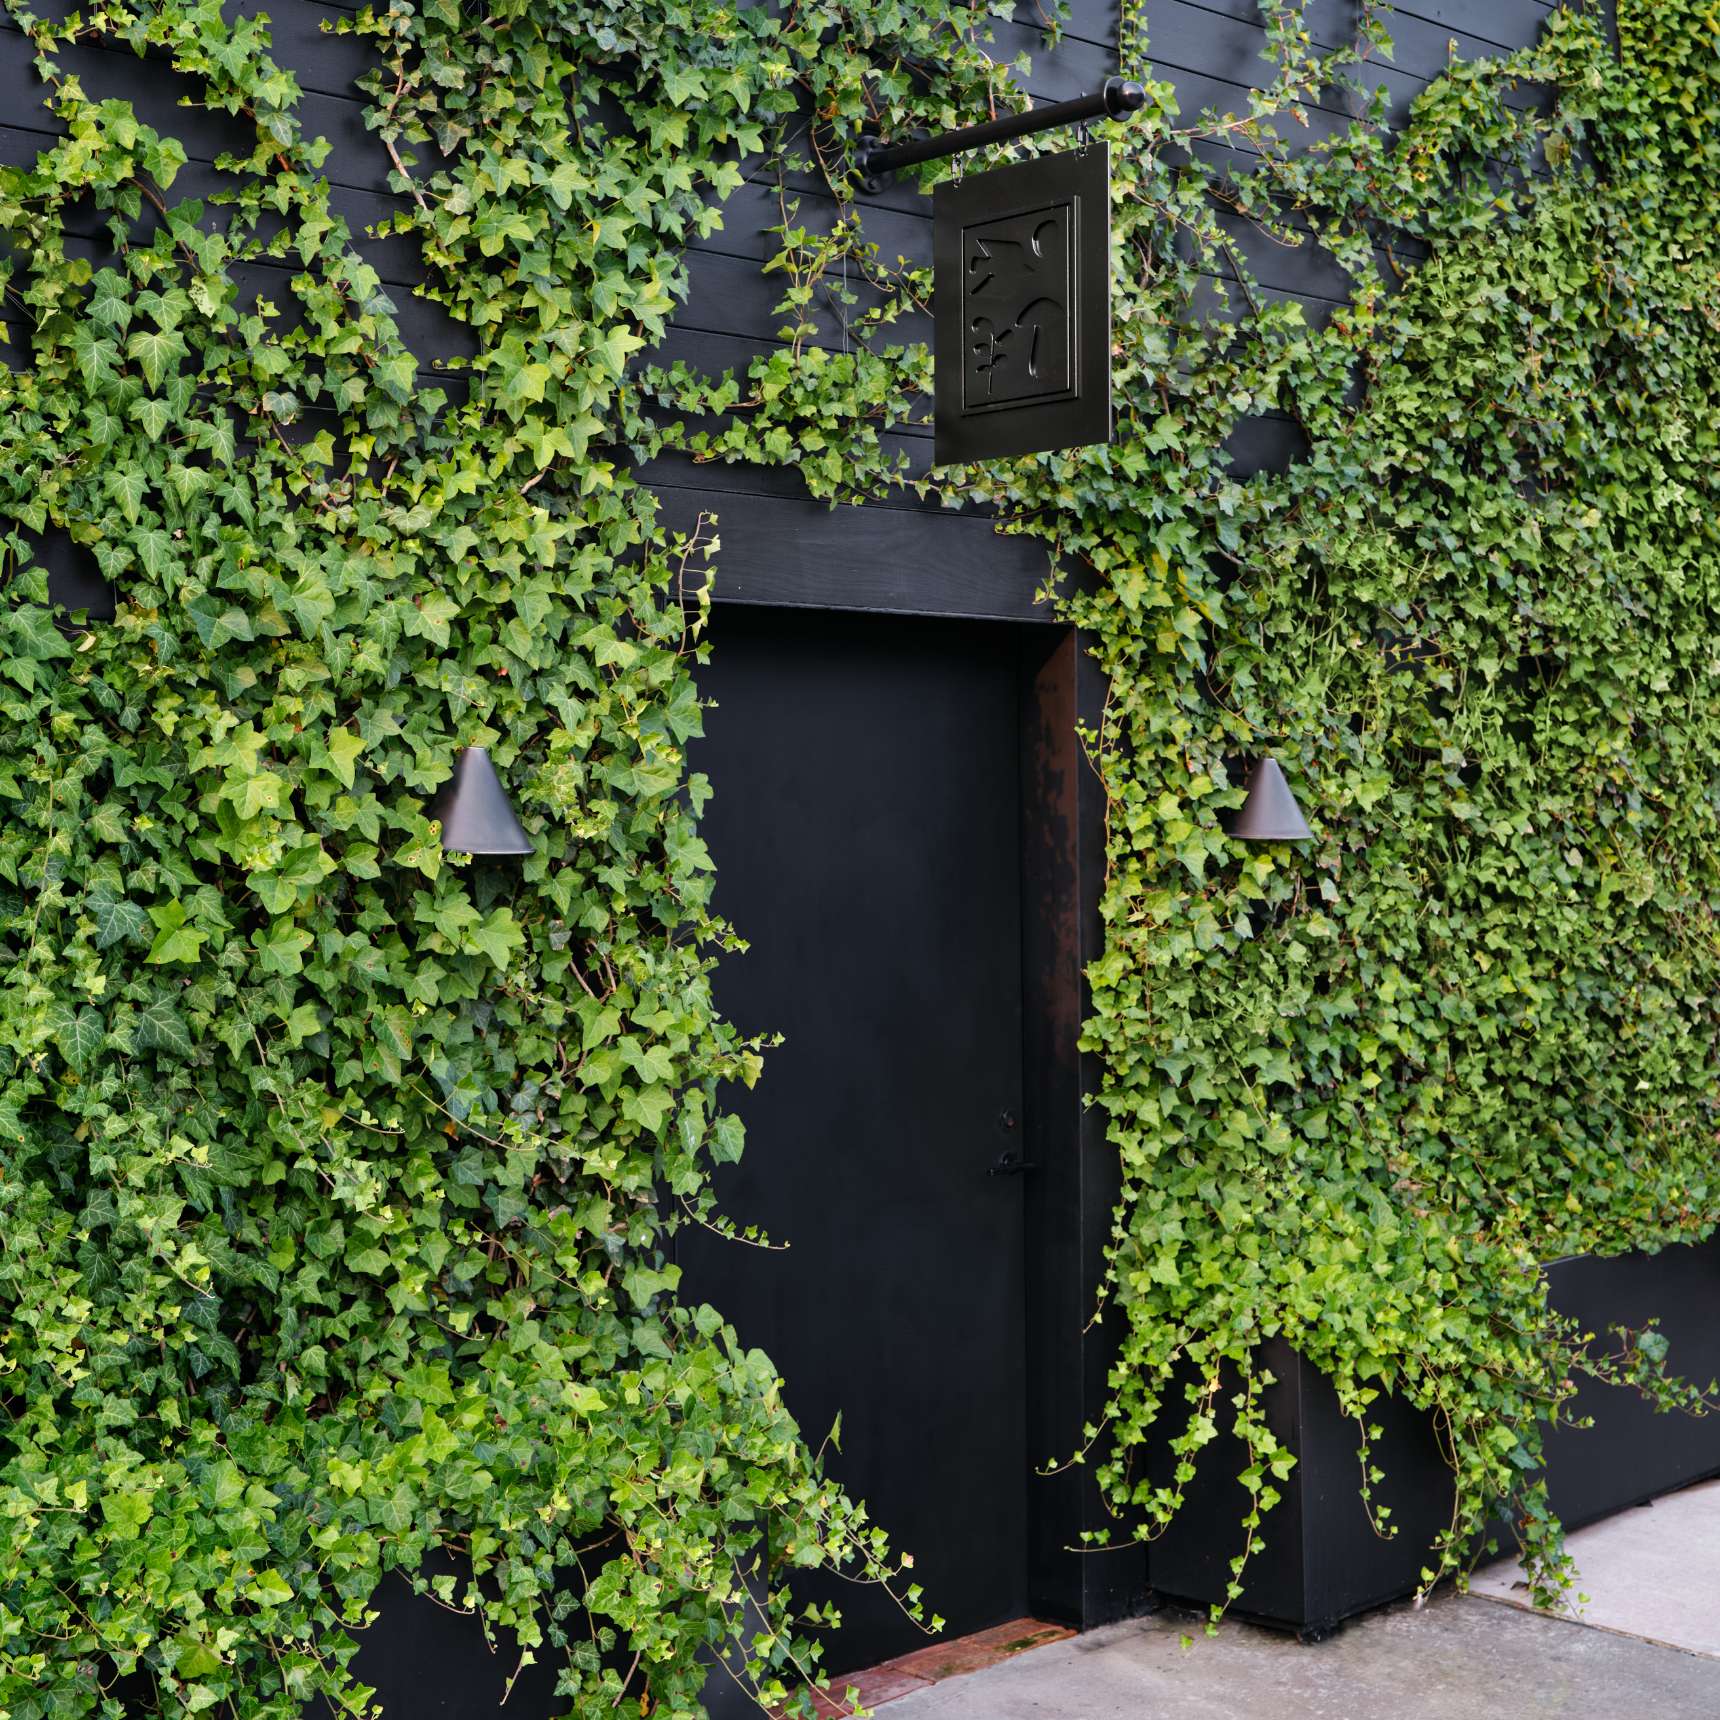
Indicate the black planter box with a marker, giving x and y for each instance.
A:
(431, 1662)
(1321, 1560)
(425, 1659)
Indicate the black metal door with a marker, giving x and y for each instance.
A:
(866, 831)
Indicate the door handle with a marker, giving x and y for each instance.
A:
(1009, 1164)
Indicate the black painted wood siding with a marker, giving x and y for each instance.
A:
(779, 546)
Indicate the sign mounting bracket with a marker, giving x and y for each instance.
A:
(876, 162)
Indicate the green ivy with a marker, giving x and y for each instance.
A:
(337, 1173)
(1363, 1092)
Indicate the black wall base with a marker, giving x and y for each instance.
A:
(1321, 1560)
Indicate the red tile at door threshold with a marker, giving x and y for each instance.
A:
(931, 1665)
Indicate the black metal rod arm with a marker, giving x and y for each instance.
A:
(1119, 96)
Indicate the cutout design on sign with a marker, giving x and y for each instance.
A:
(1022, 304)
(1015, 306)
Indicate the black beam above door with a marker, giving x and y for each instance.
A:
(791, 553)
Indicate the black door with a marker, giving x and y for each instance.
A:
(866, 831)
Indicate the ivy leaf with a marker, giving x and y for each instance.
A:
(649, 1062)
(260, 792)
(642, 1282)
(110, 304)
(34, 634)
(106, 824)
(601, 1022)
(562, 182)
(647, 1106)
(281, 947)
(154, 415)
(102, 424)
(80, 1036)
(117, 920)
(727, 1140)
(217, 622)
(216, 437)
(125, 1513)
(396, 1513)
(342, 750)
(394, 375)
(430, 618)
(155, 551)
(520, 380)
(616, 347)
(270, 1589)
(292, 878)
(180, 945)
(126, 484)
(498, 937)
(95, 356)
(175, 941)
(186, 482)
(683, 85)
(421, 849)
(160, 1027)
(156, 351)
(194, 1658)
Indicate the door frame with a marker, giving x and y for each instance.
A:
(1071, 1196)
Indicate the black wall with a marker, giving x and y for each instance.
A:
(780, 547)
(776, 540)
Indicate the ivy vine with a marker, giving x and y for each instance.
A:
(1363, 1093)
(336, 1172)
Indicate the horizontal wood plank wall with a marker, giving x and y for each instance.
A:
(778, 545)
(907, 556)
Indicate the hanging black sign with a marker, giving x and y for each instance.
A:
(1022, 303)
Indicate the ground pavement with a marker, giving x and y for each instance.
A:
(1647, 1647)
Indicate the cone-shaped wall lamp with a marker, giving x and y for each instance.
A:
(475, 814)
(1270, 813)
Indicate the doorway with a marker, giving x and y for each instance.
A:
(866, 825)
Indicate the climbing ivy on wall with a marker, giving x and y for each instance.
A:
(336, 1172)
(1361, 1093)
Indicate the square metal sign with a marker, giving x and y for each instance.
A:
(1022, 305)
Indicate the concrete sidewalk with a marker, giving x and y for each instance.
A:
(1457, 1658)
(1652, 1572)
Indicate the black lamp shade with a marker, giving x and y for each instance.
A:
(475, 815)
(1270, 813)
